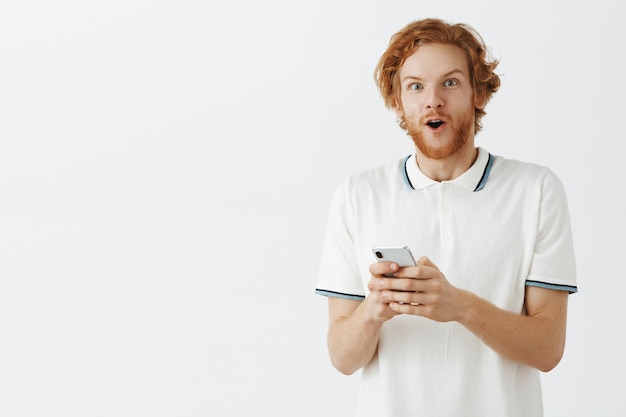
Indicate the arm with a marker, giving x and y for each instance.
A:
(354, 328)
(352, 337)
(536, 339)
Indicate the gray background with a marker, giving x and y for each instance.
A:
(165, 174)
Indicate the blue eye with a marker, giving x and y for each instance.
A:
(415, 86)
(449, 83)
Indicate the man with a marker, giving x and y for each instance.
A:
(467, 331)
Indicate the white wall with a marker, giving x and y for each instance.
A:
(165, 171)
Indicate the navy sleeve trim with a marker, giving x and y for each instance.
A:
(339, 295)
(570, 288)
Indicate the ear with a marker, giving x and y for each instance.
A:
(480, 101)
(397, 109)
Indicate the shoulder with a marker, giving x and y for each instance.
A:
(391, 173)
(515, 165)
(513, 170)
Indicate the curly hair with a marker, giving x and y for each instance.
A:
(403, 44)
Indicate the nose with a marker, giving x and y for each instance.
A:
(434, 100)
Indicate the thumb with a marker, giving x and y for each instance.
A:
(425, 261)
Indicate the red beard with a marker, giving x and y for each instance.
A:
(461, 130)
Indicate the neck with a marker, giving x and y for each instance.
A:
(448, 168)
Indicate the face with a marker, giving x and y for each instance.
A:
(437, 101)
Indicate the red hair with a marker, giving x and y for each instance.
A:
(403, 44)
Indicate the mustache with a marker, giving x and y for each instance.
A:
(434, 116)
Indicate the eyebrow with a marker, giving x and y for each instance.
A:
(447, 74)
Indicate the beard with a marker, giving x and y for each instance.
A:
(461, 128)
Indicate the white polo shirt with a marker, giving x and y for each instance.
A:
(499, 227)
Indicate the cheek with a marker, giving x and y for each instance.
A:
(409, 107)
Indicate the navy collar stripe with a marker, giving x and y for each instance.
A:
(479, 186)
(483, 179)
(405, 174)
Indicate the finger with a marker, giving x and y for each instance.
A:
(383, 268)
(415, 309)
(402, 297)
(418, 272)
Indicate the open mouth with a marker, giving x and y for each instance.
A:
(434, 123)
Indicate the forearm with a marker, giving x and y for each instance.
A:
(536, 340)
(353, 340)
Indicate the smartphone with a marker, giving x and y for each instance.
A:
(399, 254)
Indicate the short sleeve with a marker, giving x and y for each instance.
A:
(553, 265)
(338, 274)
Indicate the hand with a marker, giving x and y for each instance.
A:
(421, 290)
(376, 306)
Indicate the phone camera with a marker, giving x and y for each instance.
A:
(379, 255)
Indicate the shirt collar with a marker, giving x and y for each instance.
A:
(474, 179)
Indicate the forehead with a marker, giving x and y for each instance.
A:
(434, 60)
